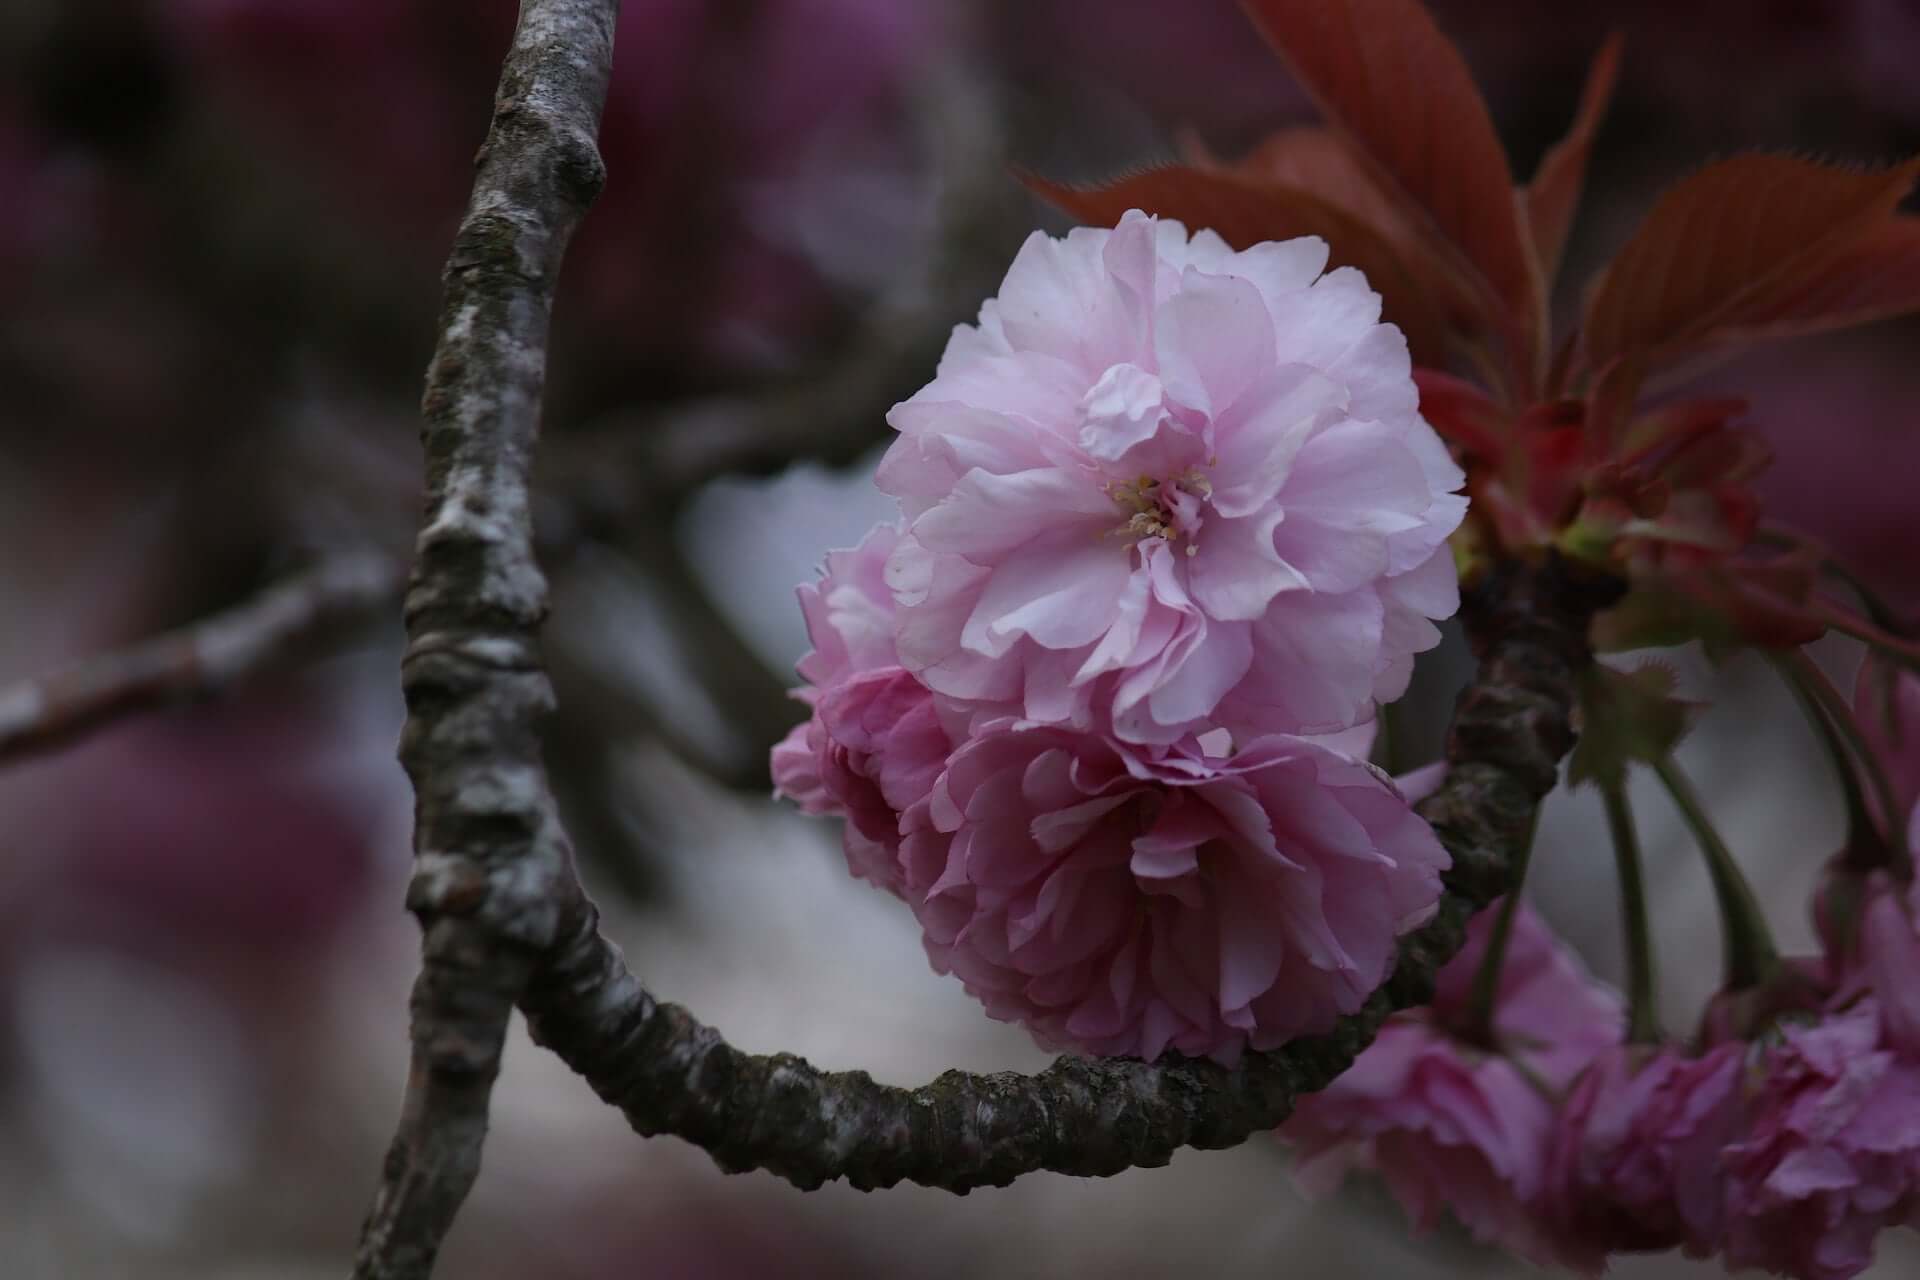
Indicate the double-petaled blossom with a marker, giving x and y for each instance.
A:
(1121, 905)
(1635, 1161)
(1163, 487)
(1829, 1155)
(1790, 1153)
(875, 740)
(1165, 502)
(1464, 1122)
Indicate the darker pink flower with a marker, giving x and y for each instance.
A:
(1791, 1153)
(875, 741)
(1457, 1125)
(1831, 1149)
(1119, 906)
(1870, 924)
(1635, 1161)
(1164, 487)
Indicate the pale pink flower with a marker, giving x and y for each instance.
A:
(1831, 1150)
(1463, 1126)
(1635, 1163)
(875, 741)
(1123, 906)
(1164, 487)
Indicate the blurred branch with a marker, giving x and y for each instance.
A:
(1088, 1117)
(642, 465)
(196, 661)
(638, 644)
(491, 860)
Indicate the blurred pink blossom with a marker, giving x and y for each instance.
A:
(216, 832)
(1855, 499)
(1165, 487)
(1119, 906)
(1455, 1125)
(716, 124)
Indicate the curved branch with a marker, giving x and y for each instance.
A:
(503, 913)
(1089, 1117)
(491, 861)
(196, 661)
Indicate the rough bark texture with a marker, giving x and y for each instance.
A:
(506, 921)
(491, 862)
(670, 1074)
(194, 662)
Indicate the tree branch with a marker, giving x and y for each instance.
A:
(505, 919)
(491, 862)
(1089, 1117)
(196, 661)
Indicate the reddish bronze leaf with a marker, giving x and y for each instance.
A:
(1388, 80)
(1463, 414)
(1320, 162)
(1311, 158)
(1244, 213)
(1553, 196)
(1722, 246)
(1874, 278)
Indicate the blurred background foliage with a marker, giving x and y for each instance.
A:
(221, 223)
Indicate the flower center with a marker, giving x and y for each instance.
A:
(1168, 509)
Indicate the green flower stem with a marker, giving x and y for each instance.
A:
(1829, 711)
(1750, 954)
(1476, 1026)
(1860, 824)
(1642, 1021)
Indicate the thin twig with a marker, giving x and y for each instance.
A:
(197, 661)
(491, 860)
(1090, 1117)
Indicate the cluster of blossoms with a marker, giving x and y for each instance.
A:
(1171, 525)
(1165, 509)
(1787, 1137)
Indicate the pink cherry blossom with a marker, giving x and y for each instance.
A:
(1462, 1126)
(1871, 923)
(1831, 1150)
(1117, 905)
(875, 741)
(1163, 487)
(1637, 1148)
